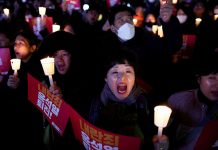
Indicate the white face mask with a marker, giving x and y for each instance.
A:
(126, 31)
(182, 18)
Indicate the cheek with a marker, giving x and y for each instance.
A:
(131, 82)
(205, 86)
(111, 83)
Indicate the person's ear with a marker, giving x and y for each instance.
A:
(33, 48)
(105, 79)
(198, 79)
(113, 29)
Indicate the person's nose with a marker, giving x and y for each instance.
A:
(121, 76)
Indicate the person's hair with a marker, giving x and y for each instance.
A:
(116, 9)
(29, 36)
(207, 64)
(59, 40)
(120, 56)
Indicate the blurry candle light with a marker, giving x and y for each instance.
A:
(161, 117)
(174, 1)
(160, 31)
(197, 21)
(154, 29)
(42, 11)
(55, 27)
(135, 21)
(6, 12)
(48, 67)
(215, 17)
(15, 64)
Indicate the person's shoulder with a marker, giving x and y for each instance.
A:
(182, 97)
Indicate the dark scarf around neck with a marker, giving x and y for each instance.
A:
(107, 95)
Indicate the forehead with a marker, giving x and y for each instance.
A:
(122, 14)
(121, 66)
(21, 38)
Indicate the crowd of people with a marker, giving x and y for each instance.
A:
(114, 70)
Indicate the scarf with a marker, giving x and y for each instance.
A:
(107, 95)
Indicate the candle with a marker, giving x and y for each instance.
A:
(197, 21)
(174, 1)
(215, 17)
(55, 27)
(154, 29)
(48, 68)
(160, 31)
(161, 117)
(15, 64)
(135, 21)
(42, 11)
(6, 11)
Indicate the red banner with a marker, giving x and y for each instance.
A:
(94, 138)
(73, 4)
(188, 45)
(58, 112)
(53, 107)
(4, 60)
(38, 23)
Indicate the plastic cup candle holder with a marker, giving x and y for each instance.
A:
(15, 64)
(48, 67)
(161, 117)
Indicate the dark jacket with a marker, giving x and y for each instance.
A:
(131, 117)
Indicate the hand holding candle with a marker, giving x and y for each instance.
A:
(161, 117)
(15, 64)
(48, 68)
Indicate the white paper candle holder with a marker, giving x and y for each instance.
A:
(55, 27)
(15, 64)
(161, 117)
(197, 21)
(48, 68)
(42, 11)
(6, 12)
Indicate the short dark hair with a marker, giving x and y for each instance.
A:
(29, 36)
(59, 40)
(116, 9)
(120, 56)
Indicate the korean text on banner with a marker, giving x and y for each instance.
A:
(5, 60)
(92, 137)
(53, 107)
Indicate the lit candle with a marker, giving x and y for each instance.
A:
(135, 21)
(42, 11)
(160, 31)
(174, 1)
(6, 11)
(15, 64)
(215, 17)
(154, 29)
(197, 21)
(161, 117)
(55, 27)
(48, 68)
